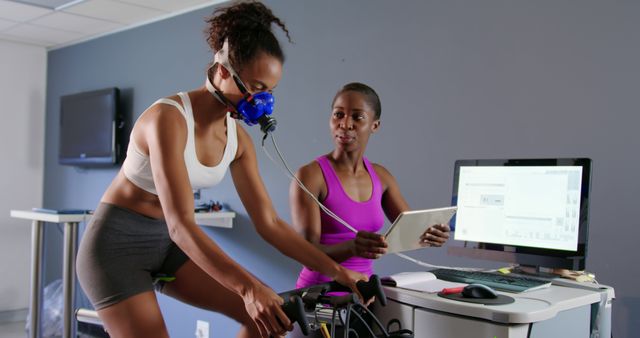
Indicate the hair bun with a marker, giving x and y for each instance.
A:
(247, 26)
(257, 15)
(239, 18)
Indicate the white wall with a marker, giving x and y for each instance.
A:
(22, 95)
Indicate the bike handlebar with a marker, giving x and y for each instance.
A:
(294, 305)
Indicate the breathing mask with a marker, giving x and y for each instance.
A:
(253, 108)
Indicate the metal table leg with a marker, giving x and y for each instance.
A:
(37, 234)
(69, 279)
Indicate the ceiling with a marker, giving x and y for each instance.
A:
(57, 23)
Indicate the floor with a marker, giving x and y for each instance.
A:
(13, 330)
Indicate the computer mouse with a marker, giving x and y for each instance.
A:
(478, 291)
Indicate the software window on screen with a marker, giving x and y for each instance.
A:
(524, 206)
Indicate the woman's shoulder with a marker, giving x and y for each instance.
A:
(161, 118)
(311, 176)
(158, 122)
(380, 169)
(309, 170)
(172, 102)
(164, 109)
(383, 174)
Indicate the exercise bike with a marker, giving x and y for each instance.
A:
(318, 307)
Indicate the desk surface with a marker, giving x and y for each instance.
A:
(529, 307)
(218, 219)
(47, 217)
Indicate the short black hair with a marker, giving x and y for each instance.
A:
(370, 96)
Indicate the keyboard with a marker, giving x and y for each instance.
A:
(498, 281)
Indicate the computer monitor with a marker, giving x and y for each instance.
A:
(532, 212)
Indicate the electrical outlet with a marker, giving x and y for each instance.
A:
(202, 329)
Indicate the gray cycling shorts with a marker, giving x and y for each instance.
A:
(121, 254)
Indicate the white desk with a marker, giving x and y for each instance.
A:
(558, 311)
(217, 219)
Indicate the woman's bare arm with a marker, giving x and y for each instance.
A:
(274, 230)
(393, 203)
(305, 212)
(166, 134)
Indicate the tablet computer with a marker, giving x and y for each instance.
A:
(404, 234)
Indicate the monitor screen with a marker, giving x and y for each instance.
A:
(533, 208)
(89, 128)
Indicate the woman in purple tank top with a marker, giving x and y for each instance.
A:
(359, 192)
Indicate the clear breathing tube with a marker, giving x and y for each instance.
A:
(291, 175)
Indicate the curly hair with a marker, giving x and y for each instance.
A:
(247, 26)
(370, 96)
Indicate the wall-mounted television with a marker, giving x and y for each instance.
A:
(91, 128)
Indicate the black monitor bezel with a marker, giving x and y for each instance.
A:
(115, 117)
(575, 260)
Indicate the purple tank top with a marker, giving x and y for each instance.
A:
(367, 215)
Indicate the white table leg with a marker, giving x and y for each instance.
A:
(37, 234)
(69, 278)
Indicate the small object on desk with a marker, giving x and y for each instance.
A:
(211, 206)
(478, 291)
(423, 281)
(588, 277)
(471, 291)
(504, 271)
(216, 206)
(201, 208)
(448, 291)
(578, 276)
(498, 300)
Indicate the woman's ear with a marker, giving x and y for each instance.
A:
(375, 126)
(223, 72)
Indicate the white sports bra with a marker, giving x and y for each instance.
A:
(137, 168)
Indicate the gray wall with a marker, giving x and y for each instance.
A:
(457, 79)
